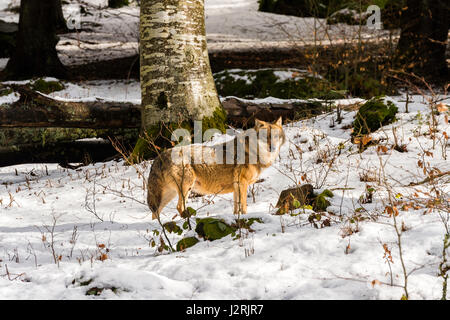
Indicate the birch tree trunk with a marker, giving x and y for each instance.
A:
(176, 79)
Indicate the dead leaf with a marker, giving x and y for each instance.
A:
(441, 107)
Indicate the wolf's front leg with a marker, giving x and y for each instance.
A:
(240, 198)
(243, 197)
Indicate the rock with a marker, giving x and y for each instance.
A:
(293, 198)
(348, 16)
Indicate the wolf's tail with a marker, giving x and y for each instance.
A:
(155, 186)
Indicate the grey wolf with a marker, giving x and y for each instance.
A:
(224, 168)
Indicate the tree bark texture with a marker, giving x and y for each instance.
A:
(176, 79)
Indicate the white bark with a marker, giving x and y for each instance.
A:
(176, 78)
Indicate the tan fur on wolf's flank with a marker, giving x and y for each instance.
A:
(168, 178)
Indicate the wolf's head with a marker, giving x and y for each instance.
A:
(271, 137)
(273, 131)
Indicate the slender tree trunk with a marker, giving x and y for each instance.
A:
(61, 24)
(176, 79)
(423, 40)
(35, 52)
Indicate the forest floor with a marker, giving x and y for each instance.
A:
(87, 233)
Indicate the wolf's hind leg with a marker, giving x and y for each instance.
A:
(166, 196)
(183, 194)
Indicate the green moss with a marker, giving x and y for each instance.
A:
(250, 84)
(320, 202)
(216, 121)
(46, 86)
(327, 193)
(5, 91)
(118, 3)
(186, 243)
(213, 229)
(374, 114)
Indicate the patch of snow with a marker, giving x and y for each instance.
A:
(3, 63)
(109, 90)
(10, 98)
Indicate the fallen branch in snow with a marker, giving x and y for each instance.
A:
(35, 110)
(428, 179)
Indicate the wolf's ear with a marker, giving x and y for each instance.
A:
(279, 122)
(258, 123)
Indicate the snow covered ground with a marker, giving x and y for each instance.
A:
(53, 244)
(230, 24)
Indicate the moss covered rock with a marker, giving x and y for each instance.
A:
(374, 114)
(278, 83)
(320, 202)
(186, 243)
(46, 87)
(294, 198)
(213, 228)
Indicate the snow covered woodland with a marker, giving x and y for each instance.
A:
(91, 92)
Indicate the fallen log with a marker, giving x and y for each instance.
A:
(242, 113)
(37, 111)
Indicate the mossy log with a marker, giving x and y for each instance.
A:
(242, 113)
(35, 110)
